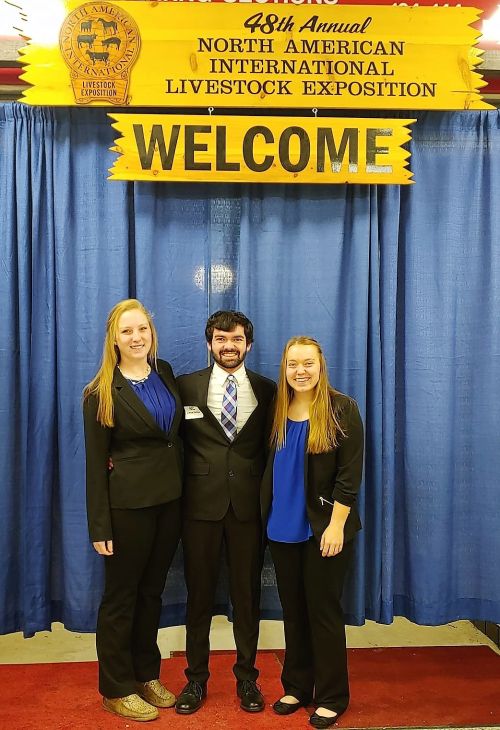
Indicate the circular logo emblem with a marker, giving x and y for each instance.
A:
(98, 42)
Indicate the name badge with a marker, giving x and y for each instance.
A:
(192, 412)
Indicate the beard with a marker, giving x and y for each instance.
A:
(231, 359)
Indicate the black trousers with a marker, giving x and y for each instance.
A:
(202, 543)
(144, 544)
(310, 588)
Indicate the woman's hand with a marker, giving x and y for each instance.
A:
(104, 547)
(332, 541)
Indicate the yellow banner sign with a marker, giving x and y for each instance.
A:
(163, 147)
(200, 55)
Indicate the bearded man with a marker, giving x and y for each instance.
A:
(225, 437)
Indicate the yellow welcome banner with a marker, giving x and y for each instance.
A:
(195, 55)
(164, 147)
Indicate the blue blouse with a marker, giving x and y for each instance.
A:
(157, 398)
(288, 520)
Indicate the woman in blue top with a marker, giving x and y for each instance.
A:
(132, 414)
(308, 501)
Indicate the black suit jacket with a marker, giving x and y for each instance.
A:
(147, 461)
(335, 475)
(218, 472)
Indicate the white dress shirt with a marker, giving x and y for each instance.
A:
(246, 400)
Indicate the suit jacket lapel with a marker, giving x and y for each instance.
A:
(202, 394)
(255, 383)
(203, 383)
(168, 380)
(126, 393)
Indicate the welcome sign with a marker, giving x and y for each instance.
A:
(159, 147)
(241, 56)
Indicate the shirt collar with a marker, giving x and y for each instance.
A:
(220, 375)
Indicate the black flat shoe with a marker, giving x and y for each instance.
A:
(250, 696)
(287, 708)
(323, 722)
(191, 698)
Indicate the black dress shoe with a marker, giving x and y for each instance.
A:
(287, 708)
(322, 722)
(250, 696)
(191, 698)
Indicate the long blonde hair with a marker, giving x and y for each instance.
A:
(100, 385)
(324, 424)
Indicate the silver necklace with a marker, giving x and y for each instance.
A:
(137, 381)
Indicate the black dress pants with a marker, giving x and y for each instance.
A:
(202, 544)
(144, 544)
(310, 588)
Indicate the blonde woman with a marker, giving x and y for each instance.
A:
(132, 414)
(309, 508)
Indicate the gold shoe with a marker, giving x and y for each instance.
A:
(155, 693)
(131, 707)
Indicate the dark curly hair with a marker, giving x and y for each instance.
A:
(227, 321)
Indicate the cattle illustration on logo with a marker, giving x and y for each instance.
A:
(100, 43)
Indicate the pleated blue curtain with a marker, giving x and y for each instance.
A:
(400, 284)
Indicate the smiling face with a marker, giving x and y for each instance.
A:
(229, 349)
(133, 336)
(302, 367)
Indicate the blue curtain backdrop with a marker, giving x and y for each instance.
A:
(400, 284)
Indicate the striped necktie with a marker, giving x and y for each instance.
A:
(229, 407)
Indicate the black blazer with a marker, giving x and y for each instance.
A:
(335, 475)
(218, 472)
(147, 461)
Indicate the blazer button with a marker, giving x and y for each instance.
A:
(170, 444)
(231, 473)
